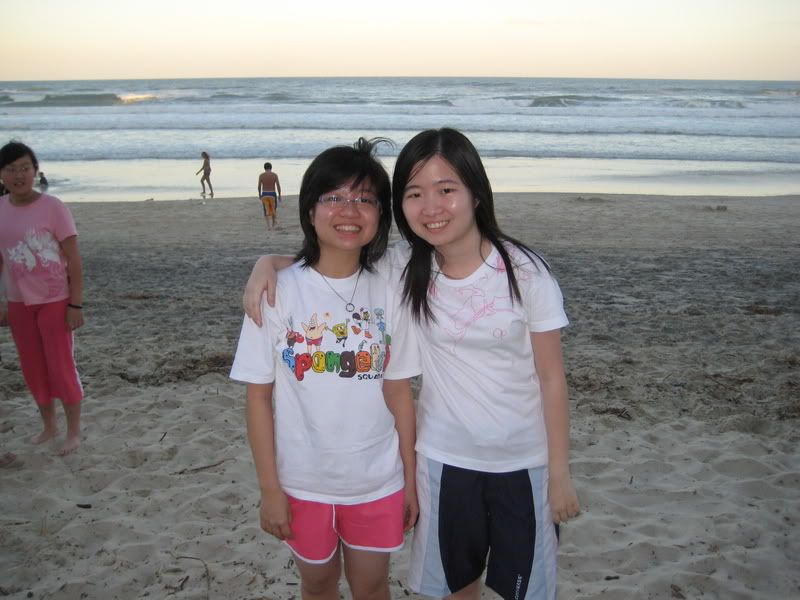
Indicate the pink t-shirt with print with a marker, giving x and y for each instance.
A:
(34, 267)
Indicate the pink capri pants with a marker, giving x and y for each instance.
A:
(44, 345)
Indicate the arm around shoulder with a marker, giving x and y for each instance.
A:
(263, 278)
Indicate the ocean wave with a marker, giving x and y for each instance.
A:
(651, 153)
(73, 100)
(706, 103)
(411, 102)
(134, 98)
(266, 99)
(771, 92)
(217, 96)
(311, 150)
(566, 100)
(278, 97)
(206, 125)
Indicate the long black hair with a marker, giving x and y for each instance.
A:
(333, 168)
(454, 147)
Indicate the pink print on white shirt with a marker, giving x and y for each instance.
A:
(476, 305)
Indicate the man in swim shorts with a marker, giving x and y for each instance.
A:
(269, 190)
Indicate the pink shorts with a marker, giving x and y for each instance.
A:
(317, 527)
(44, 345)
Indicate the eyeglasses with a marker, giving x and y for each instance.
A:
(362, 200)
(24, 169)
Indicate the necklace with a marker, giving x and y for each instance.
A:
(348, 306)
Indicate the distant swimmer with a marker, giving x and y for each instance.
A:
(206, 169)
(43, 183)
(269, 190)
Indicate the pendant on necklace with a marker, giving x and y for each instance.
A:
(348, 306)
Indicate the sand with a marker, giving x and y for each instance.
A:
(682, 360)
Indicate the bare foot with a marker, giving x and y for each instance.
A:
(70, 444)
(47, 434)
(7, 459)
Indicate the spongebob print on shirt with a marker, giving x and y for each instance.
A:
(357, 346)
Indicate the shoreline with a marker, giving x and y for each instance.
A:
(681, 362)
(175, 179)
(290, 200)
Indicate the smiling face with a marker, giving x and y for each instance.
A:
(439, 207)
(349, 223)
(18, 176)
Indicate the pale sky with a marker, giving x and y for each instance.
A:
(120, 39)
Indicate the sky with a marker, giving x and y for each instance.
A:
(147, 39)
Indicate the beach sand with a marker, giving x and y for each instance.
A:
(682, 360)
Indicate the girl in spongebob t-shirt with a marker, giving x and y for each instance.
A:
(335, 462)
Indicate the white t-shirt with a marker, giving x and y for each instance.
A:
(335, 438)
(480, 404)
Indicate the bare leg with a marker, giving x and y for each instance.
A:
(471, 592)
(367, 574)
(73, 413)
(320, 582)
(50, 430)
(210, 187)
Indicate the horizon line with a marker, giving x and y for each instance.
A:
(221, 77)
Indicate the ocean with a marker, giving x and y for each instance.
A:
(141, 139)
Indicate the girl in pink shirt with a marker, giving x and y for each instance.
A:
(40, 269)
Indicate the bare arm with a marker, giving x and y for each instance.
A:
(276, 516)
(262, 279)
(400, 401)
(75, 274)
(278, 186)
(550, 368)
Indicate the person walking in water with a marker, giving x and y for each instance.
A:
(206, 169)
(269, 190)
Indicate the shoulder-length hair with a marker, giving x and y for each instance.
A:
(15, 150)
(454, 147)
(330, 170)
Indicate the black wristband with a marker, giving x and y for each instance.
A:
(78, 306)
